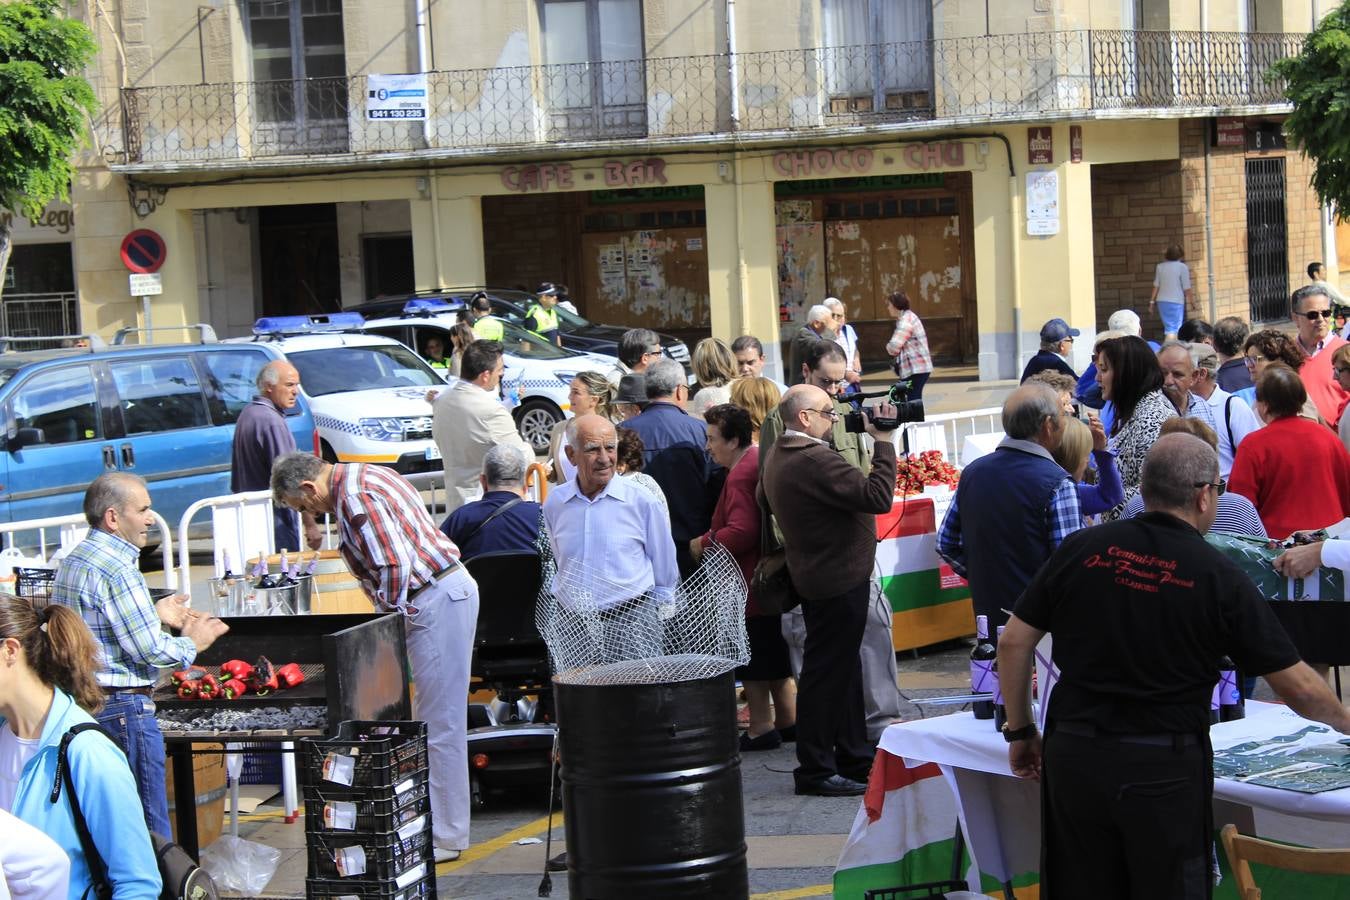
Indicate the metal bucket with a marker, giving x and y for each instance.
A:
(654, 807)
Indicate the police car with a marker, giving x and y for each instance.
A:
(537, 374)
(367, 392)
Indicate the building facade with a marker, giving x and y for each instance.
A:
(698, 167)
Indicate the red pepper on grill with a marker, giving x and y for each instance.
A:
(236, 668)
(210, 688)
(192, 673)
(187, 690)
(291, 675)
(263, 678)
(233, 689)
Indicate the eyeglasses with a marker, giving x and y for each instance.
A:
(652, 351)
(830, 414)
(1313, 315)
(1251, 361)
(1219, 486)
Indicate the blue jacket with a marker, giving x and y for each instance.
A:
(515, 530)
(674, 455)
(108, 797)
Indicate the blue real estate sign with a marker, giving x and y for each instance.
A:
(396, 96)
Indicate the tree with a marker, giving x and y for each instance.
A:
(1318, 84)
(43, 55)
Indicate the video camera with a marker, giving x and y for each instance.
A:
(906, 410)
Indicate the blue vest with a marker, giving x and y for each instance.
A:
(1004, 501)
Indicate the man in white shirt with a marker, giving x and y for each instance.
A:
(467, 421)
(612, 543)
(1233, 418)
(750, 360)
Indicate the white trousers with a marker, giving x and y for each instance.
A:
(440, 646)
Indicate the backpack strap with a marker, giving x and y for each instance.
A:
(1228, 421)
(495, 513)
(98, 869)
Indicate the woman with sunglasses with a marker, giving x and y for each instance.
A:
(1294, 471)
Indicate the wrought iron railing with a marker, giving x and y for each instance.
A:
(962, 79)
(36, 315)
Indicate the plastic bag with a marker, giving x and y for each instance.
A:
(240, 866)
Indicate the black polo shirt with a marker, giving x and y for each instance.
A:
(1141, 611)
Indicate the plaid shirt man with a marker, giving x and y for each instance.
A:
(100, 580)
(387, 538)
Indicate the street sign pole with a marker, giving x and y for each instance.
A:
(144, 285)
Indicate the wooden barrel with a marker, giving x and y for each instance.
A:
(209, 771)
(336, 589)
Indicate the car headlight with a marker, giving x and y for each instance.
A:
(386, 429)
(565, 377)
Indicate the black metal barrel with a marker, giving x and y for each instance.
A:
(651, 786)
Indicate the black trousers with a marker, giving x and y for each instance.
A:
(1127, 821)
(831, 725)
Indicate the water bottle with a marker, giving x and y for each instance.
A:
(1000, 709)
(982, 669)
(1231, 704)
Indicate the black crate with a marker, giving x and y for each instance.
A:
(382, 753)
(35, 584)
(387, 855)
(322, 888)
(929, 891)
(376, 810)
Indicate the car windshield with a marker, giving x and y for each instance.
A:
(333, 370)
(528, 345)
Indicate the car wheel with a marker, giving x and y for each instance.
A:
(327, 450)
(535, 420)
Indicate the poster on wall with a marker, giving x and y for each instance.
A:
(396, 97)
(1042, 203)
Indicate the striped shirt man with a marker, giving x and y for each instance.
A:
(388, 540)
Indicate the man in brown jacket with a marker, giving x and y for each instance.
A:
(826, 510)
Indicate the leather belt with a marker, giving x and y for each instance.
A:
(145, 690)
(1164, 739)
(432, 581)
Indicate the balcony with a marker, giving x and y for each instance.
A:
(476, 113)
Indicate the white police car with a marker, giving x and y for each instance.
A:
(537, 374)
(367, 392)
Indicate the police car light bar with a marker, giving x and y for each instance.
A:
(277, 325)
(428, 306)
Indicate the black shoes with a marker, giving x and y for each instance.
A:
(769, 740)
(788, 734)
(834, 786)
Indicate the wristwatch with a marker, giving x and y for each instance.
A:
(1019, 734)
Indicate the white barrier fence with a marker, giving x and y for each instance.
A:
(960, 436)
(70, 530)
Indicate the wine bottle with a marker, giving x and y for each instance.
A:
(981, 670)
(286, 579)
(1231, 704)
(1000, 709)
(312, 564)
(225, 564)
(265, 579)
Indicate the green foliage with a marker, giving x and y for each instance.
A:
(1318, 82)
(43, 55)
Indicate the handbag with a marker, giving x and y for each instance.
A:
(771, 581)
(182, 878)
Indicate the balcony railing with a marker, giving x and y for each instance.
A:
(992, 78)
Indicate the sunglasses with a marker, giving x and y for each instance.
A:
(1313, 315)
(1220, 486)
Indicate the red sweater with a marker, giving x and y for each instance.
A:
(1324, 390)
(735, 521)
(1296, 473)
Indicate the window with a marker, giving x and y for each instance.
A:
(160, 394)
(234, 381)
(63, 403)
(594, 51)
(299, 66)
(877, 55)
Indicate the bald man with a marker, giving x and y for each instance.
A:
(260, 436)
(611, 540)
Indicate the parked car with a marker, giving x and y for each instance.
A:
(578, 332)
(537, 374)
(165, 412)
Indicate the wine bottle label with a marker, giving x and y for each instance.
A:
(982, 677)
(1227, 688)
(1214, 696)
(998, 690)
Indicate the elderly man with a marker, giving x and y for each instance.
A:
(405, 565)
(816, 328)
(468, 420)
(260, 436)
(638, 348)
(504, 521)
(1177, 362)
(1141, 611)
(675, 456)
(1012, 507)
(1056, 345)
(826, 509)
(612, 543)
(1233, 418)
(1311, 309)
(101, 580)
(1230, 333)
(750, 359)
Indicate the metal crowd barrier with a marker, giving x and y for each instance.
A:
(73, 528)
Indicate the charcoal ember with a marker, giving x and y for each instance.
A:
(263, 718)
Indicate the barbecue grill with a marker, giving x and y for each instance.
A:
(355, 667)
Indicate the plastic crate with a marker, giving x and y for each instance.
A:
(932, 889)
(366, 755)
(389, 857)
(321, 888)
(260, 767)
(370, 811)
(34, 583)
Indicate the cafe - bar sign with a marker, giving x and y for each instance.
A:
(616, 173)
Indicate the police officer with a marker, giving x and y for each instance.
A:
(1141, 610)
(485, 326)
(541, 317)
